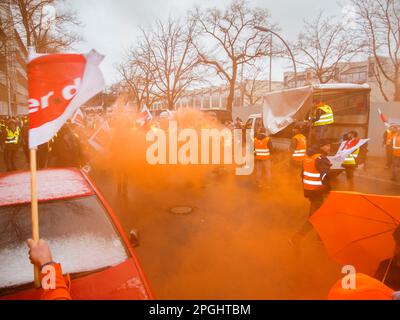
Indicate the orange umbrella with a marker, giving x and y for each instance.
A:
(357, 228)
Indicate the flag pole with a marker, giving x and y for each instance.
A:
(35, 213)
(34, 196)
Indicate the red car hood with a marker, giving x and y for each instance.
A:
(121, 282)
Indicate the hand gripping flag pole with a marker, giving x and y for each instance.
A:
(58, 85)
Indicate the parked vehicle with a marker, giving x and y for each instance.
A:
(82, 230)
(350, 104)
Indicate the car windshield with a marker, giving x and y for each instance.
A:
(79, 233)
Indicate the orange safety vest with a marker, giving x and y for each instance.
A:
(312, 179)
(301, 146)
(389, 137)
(261, 149)
(396, 145)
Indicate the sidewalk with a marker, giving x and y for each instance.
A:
(375, 170)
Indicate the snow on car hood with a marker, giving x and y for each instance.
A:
(52, 184)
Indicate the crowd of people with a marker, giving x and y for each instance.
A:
(62, 150)
(308, 153)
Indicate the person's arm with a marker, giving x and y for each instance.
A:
(40, 256)
(323, 165)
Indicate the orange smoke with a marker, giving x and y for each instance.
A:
(235, 243)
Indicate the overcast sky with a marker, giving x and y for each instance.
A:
(111, 26)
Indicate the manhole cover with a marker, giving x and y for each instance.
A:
(181, 210)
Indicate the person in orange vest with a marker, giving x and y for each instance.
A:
(40, 256)
(395, 153)
(350, 162)
(298, 147)
(262, 156)
(388, 143)
(316, 185)
(321, 118)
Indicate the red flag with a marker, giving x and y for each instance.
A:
(79, 118)
(58, 85)
(384, 119)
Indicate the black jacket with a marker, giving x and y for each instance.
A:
(393, 274)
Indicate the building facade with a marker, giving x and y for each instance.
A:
(247, 93)
(13, 75)
(350, 72)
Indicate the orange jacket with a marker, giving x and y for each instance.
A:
(62, 290)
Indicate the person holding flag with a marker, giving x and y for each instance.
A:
(58, 84)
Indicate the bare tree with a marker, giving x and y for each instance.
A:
(233, 39)
(46, 25)
(323, 45)
(139, 76)
(254, 84)
(379, 21)
(6, 24)
(172, 58)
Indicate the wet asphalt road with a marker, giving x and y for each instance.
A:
(234, 245)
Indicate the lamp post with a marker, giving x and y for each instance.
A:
(287, 46)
